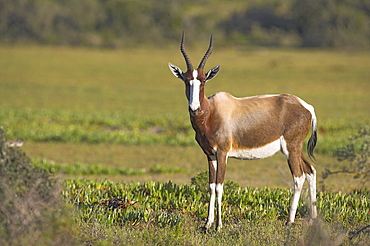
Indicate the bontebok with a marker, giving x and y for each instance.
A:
(248, 128)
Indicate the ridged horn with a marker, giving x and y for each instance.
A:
(208, 53)
(182, 48)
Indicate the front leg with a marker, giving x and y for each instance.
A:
(212, 166)
(220, 176)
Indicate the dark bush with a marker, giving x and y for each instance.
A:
(31, 211)
(333, 23)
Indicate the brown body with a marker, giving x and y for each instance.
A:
(248, 128)
(229, 123)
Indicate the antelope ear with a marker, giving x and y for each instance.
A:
(212, 73)
(176, 71)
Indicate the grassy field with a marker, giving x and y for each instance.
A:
(102, 103)
(129, 81)
(121, 115)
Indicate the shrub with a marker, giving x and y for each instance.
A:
(357, 153)
(30, 206)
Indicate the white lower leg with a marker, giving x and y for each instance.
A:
(311, 180)
(211, 208)
(219, 192)
(298, 184)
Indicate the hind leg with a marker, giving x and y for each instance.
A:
(301, 169)
(298, 184)
(295, 163)
(311, 180)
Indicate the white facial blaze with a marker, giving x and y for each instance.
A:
(194, 102)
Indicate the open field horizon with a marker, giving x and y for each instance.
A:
(72, 79)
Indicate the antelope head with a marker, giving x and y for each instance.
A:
(194, 79)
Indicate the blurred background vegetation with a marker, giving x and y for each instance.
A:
(127, 23)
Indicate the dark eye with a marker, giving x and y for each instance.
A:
(201, 78)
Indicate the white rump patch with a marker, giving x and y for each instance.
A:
(312, 111)
(261, 152)
(194, 102)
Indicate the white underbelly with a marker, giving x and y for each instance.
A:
(260, 152)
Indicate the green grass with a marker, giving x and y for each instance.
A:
(94, 96)
(121, 128)
(123, 110)
(121, 115)
(117, 99)
(240, 233)
(176, 163)
(99, 169)
(139, 82)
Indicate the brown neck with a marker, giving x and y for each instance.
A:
(201, 123)
(200, 117)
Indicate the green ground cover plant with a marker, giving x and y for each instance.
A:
(156, 205)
